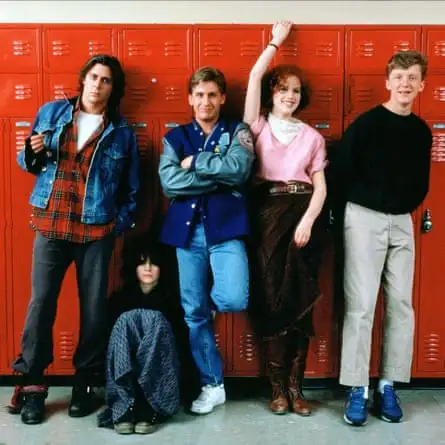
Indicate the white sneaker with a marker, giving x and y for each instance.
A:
(210, 397)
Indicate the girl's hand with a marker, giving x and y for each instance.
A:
(303, 233)
(280, 31)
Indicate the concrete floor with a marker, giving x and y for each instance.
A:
(244, 419)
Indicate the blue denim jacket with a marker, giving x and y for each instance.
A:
(113, 177)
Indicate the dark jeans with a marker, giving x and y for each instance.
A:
(51, 259)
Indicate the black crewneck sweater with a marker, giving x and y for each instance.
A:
(383, 161)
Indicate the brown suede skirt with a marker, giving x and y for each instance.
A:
(284, 278)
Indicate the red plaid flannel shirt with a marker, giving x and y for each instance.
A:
(62, 218)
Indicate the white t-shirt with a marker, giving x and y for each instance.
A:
(284, 130)
(87, 124)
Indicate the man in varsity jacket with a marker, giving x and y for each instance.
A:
(86, 161)
(203, 170)
(383, 164)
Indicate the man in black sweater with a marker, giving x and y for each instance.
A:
(381, 171)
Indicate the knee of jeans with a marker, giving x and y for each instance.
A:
(234, 305)
(196, 321)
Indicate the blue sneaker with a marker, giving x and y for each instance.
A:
(356, 410)
(386, 405)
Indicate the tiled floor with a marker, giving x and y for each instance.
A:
(244, 419)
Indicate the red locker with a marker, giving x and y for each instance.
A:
(245, 357)
(156, 93)
(20, 50)
(222, 338)
(368, 48)
(236, 94)
(433, 45)
(146, 129)
(20, 94)
(67, 48)
(60, 86)
(326, 96)
(18, 187)
(432, 98)
(230, 49)
(323, 351)
(330, 129)
(430, 325)
(157, 49)
(5, 222)
(317, 50)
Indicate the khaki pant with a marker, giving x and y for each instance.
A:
(379, 249)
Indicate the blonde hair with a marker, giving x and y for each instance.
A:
(407, 59)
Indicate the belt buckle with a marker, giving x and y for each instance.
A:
(292, 188)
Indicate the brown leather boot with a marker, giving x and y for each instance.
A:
(278, 401)
(298, 403)
(275, 365)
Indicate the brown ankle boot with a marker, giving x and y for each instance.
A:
(298, 403)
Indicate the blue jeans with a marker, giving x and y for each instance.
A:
(229, 293)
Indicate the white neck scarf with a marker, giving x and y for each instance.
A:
(284, 130)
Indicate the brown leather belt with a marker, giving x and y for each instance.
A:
(291, 188)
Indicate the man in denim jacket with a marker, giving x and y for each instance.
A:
(203, 170)
(86, 160)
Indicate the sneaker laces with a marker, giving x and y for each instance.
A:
(357, 400)
(205, 393)
(391, 399)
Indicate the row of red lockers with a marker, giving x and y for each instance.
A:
(345, 67)
(344, 64)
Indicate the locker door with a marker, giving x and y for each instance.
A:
(18, 188)
(20, 50)
(364, 92)
(323, 352)
(146, 129)
(156, 93)
(432, 98)
(157, 50)
(434, 47)
(245, 357)
(369, 48)
(326, 96)
(68, 48)
(60, 86)
(231, 49)
(330, 129)
(222, 337)
(430, 325)
(4, 234)
(236, 94)
(318, 50)
(19, 94)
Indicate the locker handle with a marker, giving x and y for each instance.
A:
(171, 125)
(427, 222)
(139, 125)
